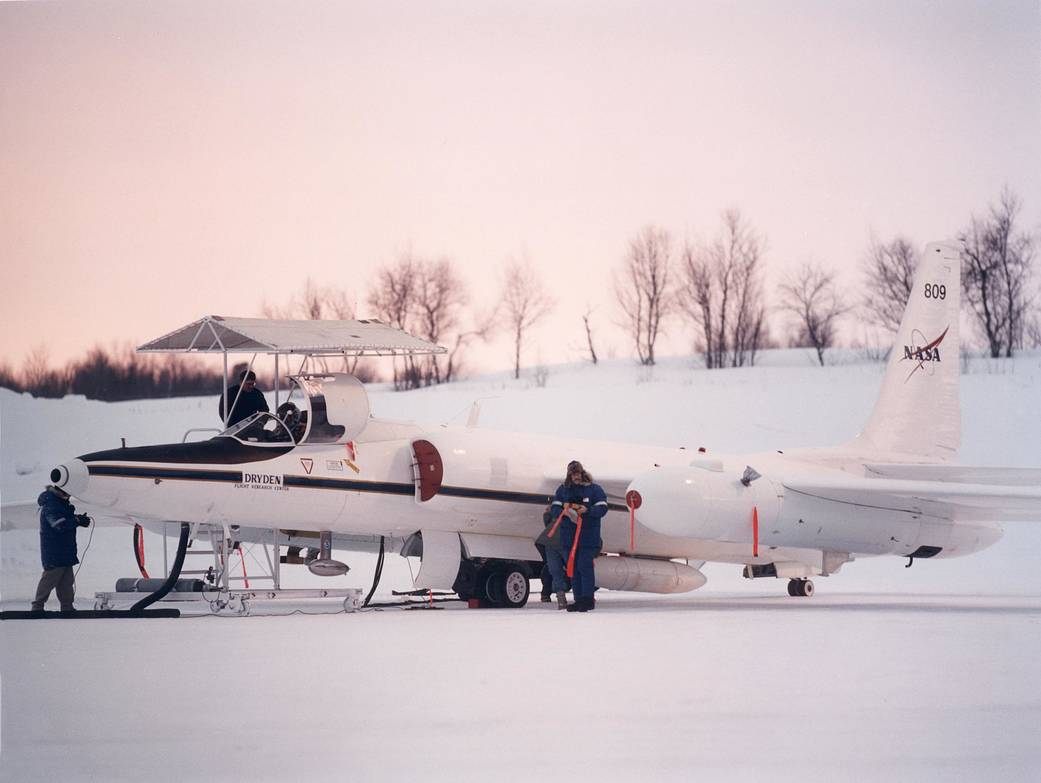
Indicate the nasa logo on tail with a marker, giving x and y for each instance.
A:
(920, 354)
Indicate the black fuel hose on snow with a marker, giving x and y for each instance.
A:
(377, 574)
(171, 580)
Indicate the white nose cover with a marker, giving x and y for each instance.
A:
(71, 477)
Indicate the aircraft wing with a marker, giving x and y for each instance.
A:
(20, 516)
(1018, 500)
(25, 515)
(959, 474)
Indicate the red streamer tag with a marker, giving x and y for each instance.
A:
(633, 501)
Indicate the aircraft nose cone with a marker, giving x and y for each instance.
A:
(71, 477)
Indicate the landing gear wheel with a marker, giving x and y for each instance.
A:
(508, 587)
(494, 584)
(800, 588)
(516, 588)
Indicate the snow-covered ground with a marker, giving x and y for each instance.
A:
(927, 673)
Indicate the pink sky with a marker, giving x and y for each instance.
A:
(162, 161)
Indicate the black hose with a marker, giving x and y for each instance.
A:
(377, 574)
(175, 573)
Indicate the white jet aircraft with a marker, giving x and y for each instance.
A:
(470, 501)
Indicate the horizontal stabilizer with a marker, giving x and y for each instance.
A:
(961, 501)
(959, 474)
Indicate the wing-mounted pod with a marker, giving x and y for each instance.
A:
(338, 407)
(427, 469)
(704, 501)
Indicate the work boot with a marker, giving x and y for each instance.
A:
(561, 600)
(547, 597)
(579, 605)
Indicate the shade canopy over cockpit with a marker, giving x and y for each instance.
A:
(336, 404)
(218, 334)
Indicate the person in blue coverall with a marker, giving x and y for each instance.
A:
(58, 523)
(583, 504)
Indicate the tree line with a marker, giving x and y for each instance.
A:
(712, 289)
(112, 374)
(715, 288)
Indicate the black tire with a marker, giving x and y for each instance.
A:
(494, 585)
(800, 588)
(508, 587)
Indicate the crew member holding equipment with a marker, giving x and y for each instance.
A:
(245, 403)
(554, 559)
(58, 523)
(579, 505)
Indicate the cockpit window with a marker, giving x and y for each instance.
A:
(260, 428)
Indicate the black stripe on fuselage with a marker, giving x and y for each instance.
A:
(174, 474)
(351, 485)
(314, 482)
(215, 451)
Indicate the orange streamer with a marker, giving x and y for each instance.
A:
(755, 531)
(574, 548)
(556, 524)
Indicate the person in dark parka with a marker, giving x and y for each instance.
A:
(249, 401)
(581, 499)
(58, 523)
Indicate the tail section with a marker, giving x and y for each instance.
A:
(918, 413)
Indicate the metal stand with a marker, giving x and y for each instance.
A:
(221, 596)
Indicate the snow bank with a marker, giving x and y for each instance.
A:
(886, 674)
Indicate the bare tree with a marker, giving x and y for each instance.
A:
(318, 303)
(524, 303)
(1032, 337)
(427, 298)
(810, 296)
(392, 297)
(722, 293)
(589, 333)
(439, 300)
(39, 378)
(9, 378)
(997, 264)
(889, 270)
(643, 289)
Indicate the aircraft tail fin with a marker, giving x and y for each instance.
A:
(918, 412)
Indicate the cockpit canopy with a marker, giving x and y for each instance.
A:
(337, 410)
(260, 428)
